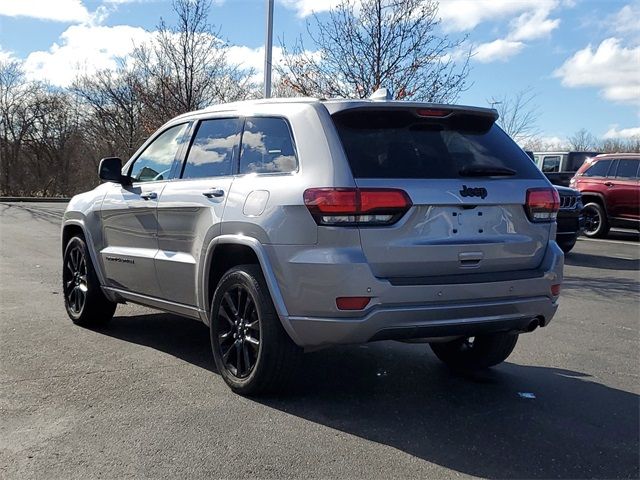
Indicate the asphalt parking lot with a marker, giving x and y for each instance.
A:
(141, 398)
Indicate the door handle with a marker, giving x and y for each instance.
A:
(149, 195)
(214, 193)
(608, 184)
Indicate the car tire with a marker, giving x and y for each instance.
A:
(567, 245)
(251, 349)
(596, 222)
(474, 353)
(84, 300)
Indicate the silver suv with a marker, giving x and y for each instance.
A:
(291, 225)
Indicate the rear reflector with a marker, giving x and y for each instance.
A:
(542, 204)
(352, 303)
(356, 206)
(555, 290)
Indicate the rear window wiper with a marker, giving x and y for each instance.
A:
(485, 171)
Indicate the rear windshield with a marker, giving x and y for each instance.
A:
(399, 144)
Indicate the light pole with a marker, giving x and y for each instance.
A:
(268, 46)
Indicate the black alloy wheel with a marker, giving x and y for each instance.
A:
(252, 351)
(75, 279)
(238, 331)
(596, 223)
(84, 299)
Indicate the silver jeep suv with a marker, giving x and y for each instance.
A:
(291, 225)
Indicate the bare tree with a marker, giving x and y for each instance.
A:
(377, 43)
(518, 114)
(582, 141)
(114, 110)
(16, 120)
(620, 145)
(54, 145)
(185, 67)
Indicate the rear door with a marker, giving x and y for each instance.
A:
(623, 190)
(468, 183)
(190, 208)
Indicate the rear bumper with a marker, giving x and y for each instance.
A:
(426, 321)
(411, 311)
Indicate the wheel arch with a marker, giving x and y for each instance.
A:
(588, 197)
(227, 251)
(70, 228)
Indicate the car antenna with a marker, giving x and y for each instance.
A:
(381, 94)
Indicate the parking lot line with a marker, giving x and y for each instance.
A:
(603, 240)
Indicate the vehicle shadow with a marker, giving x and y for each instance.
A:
(628, 235)
(480, 424)
(600, 261)
(605, 286)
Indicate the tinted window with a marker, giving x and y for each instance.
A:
(598, 169)
(627, 168)
(154, 163)
(213, 148)
(551, 164)
(576, 159)
(398, 144)
(267, 147)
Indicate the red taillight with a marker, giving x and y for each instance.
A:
(352, 303)
(356, 206)
(555, 289)
(432, 112)
(542, 204)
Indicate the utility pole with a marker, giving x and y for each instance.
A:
(268, 47)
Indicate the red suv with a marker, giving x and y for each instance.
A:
(610, 192)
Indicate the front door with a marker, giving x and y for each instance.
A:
(190, 209)
(129, 216)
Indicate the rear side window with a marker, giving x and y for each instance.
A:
(213, 148)
(598, 169)
(399, 144)
(551, 164)
(267, 146)
(627, 168)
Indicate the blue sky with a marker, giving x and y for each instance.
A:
(580, 57)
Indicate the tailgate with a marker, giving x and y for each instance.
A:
(445, 233)
(467, 181)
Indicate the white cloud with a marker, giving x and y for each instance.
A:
(6, 55)
(304, 8)
(498, 50)
(612, 67)
(613, 132)
(532, 22)
(625, 20)
(533, 25)
(83, 49)
(55, 10)
(253, 58)
(461, 15)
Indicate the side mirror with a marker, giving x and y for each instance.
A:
(110, 170)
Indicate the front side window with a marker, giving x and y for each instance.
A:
(627, 168)
(213, 149)
(551, 164)
(598, 169)
(155, 162)
(267, 147)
